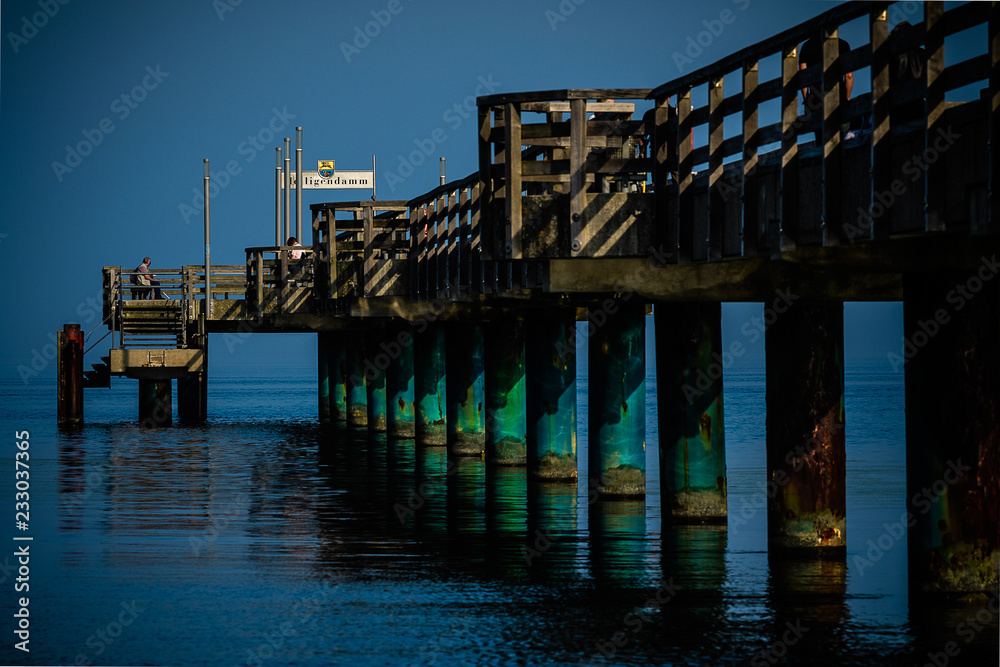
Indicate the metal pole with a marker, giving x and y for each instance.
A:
(208, 252)
(298, 184)
(442, 172)
(277, 196)
(373, 178)
(288, 191)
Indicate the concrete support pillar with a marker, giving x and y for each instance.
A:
(506, 416)
(192, 398)
(806, 460)
(466, 389)
(550, 353)
(375, 363)
(192, 389)
(617, 399)
(689, 360)
(336, 356)
(430, 412)
(69, 352)
(357, 396)
(155, 406)
(951, 328)
(399, 382)
(323, 344)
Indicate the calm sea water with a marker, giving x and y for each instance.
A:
(265, 538)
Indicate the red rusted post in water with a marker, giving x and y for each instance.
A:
(69, 410)
(951, 325)
(806, 460)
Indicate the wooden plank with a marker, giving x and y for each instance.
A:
(786, 232)
(935, 177)
(452, 220)
(578, 180)
(485, 182)
(592, 107)
(415, 257)
(572, 94)
(877, 226)
(368, 267)
(664, 162)
(512, 173)
(716, 202)
(465, 243)
(832, 142)
(441, 247)
(685, 179)
(750, 186)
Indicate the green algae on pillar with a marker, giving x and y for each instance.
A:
(617, 398)
(337, 362)
(357, 396)
(806, 460)
(465, 391)
(399, 382)
(376, 392)
(952, 366)
(430, 413)
(506, 415)
(550, 354)
(689, 369)
(323, 343)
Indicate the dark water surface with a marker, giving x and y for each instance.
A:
(265, 538)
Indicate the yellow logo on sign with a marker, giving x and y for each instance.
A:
(326, 168)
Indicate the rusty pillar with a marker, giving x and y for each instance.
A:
(951, 325)
(69, 397)
(806, 460)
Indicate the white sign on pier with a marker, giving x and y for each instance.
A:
(340, 180)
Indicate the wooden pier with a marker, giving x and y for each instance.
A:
(452, 317)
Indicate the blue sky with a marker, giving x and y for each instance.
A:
(108, 109)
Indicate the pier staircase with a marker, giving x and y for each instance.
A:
(100, 377)
(155, 323)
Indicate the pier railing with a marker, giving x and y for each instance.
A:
(276, 281)
(579, 188)
(827, 193)
(361, 249)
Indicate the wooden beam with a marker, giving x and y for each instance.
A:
(751, 139)
(512, 136)
(578, 181)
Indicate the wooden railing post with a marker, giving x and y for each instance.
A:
(881, 100)
(751, 140)
(831, 227)
(936, 182)
(788, 207)
(579, 234)
(716, 200)
(685, 179)
(512, 172)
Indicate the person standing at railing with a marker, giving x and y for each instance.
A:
(812, 97)
(295, 259)
(142, 276)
